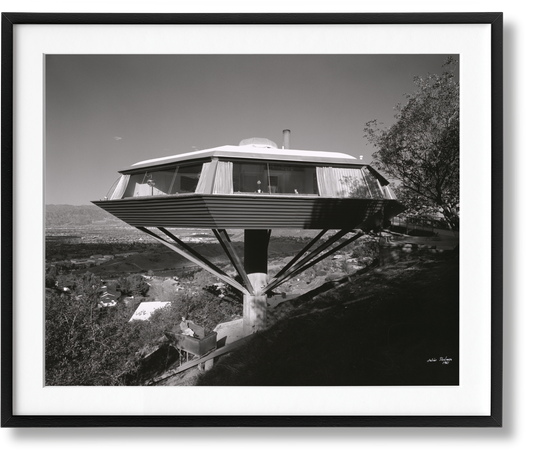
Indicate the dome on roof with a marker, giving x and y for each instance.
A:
(258, 143)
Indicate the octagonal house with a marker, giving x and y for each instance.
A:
(255, 187)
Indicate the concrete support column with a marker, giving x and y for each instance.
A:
(256, 267)
(255, 306)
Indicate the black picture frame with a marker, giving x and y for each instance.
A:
(9, 419)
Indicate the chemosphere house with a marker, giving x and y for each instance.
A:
(255, 187)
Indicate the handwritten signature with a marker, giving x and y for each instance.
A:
(445, 360)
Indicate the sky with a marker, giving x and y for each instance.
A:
(106, 112)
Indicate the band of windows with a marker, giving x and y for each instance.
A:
(234, 177)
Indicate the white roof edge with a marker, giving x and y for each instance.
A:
(177, 156)
(250, 149)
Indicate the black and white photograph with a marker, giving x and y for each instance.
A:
(269, 227)
(252, 220)
(295, 220)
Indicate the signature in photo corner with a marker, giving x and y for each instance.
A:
(445, 360)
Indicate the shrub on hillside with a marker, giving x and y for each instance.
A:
(134, 285)
(202, 307)
(366, 250)
(83, 347)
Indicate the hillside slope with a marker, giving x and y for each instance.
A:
(388, 326)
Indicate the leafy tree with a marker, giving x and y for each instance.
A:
(208, 310)
(134, 285)
(421, 150)
(160, 292)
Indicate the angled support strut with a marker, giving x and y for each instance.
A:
(308, 261)
(323, 256)
(225, 241)
(190, 254)
(301, 253)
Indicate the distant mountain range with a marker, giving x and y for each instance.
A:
(70, 215)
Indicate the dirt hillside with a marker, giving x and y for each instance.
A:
(396, 324)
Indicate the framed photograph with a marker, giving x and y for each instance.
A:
(252, 220)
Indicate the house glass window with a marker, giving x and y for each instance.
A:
(149, 183)
(274, 178)
(170, 181)
(187, 178)
(342, 183)
(373, 183)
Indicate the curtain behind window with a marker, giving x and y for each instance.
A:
(203, 183)
(224, 178)
(121, 187)
(341, 183)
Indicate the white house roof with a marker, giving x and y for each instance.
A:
(251, 152)
(146, 309)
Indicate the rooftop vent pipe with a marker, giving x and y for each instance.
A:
(286, 139)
